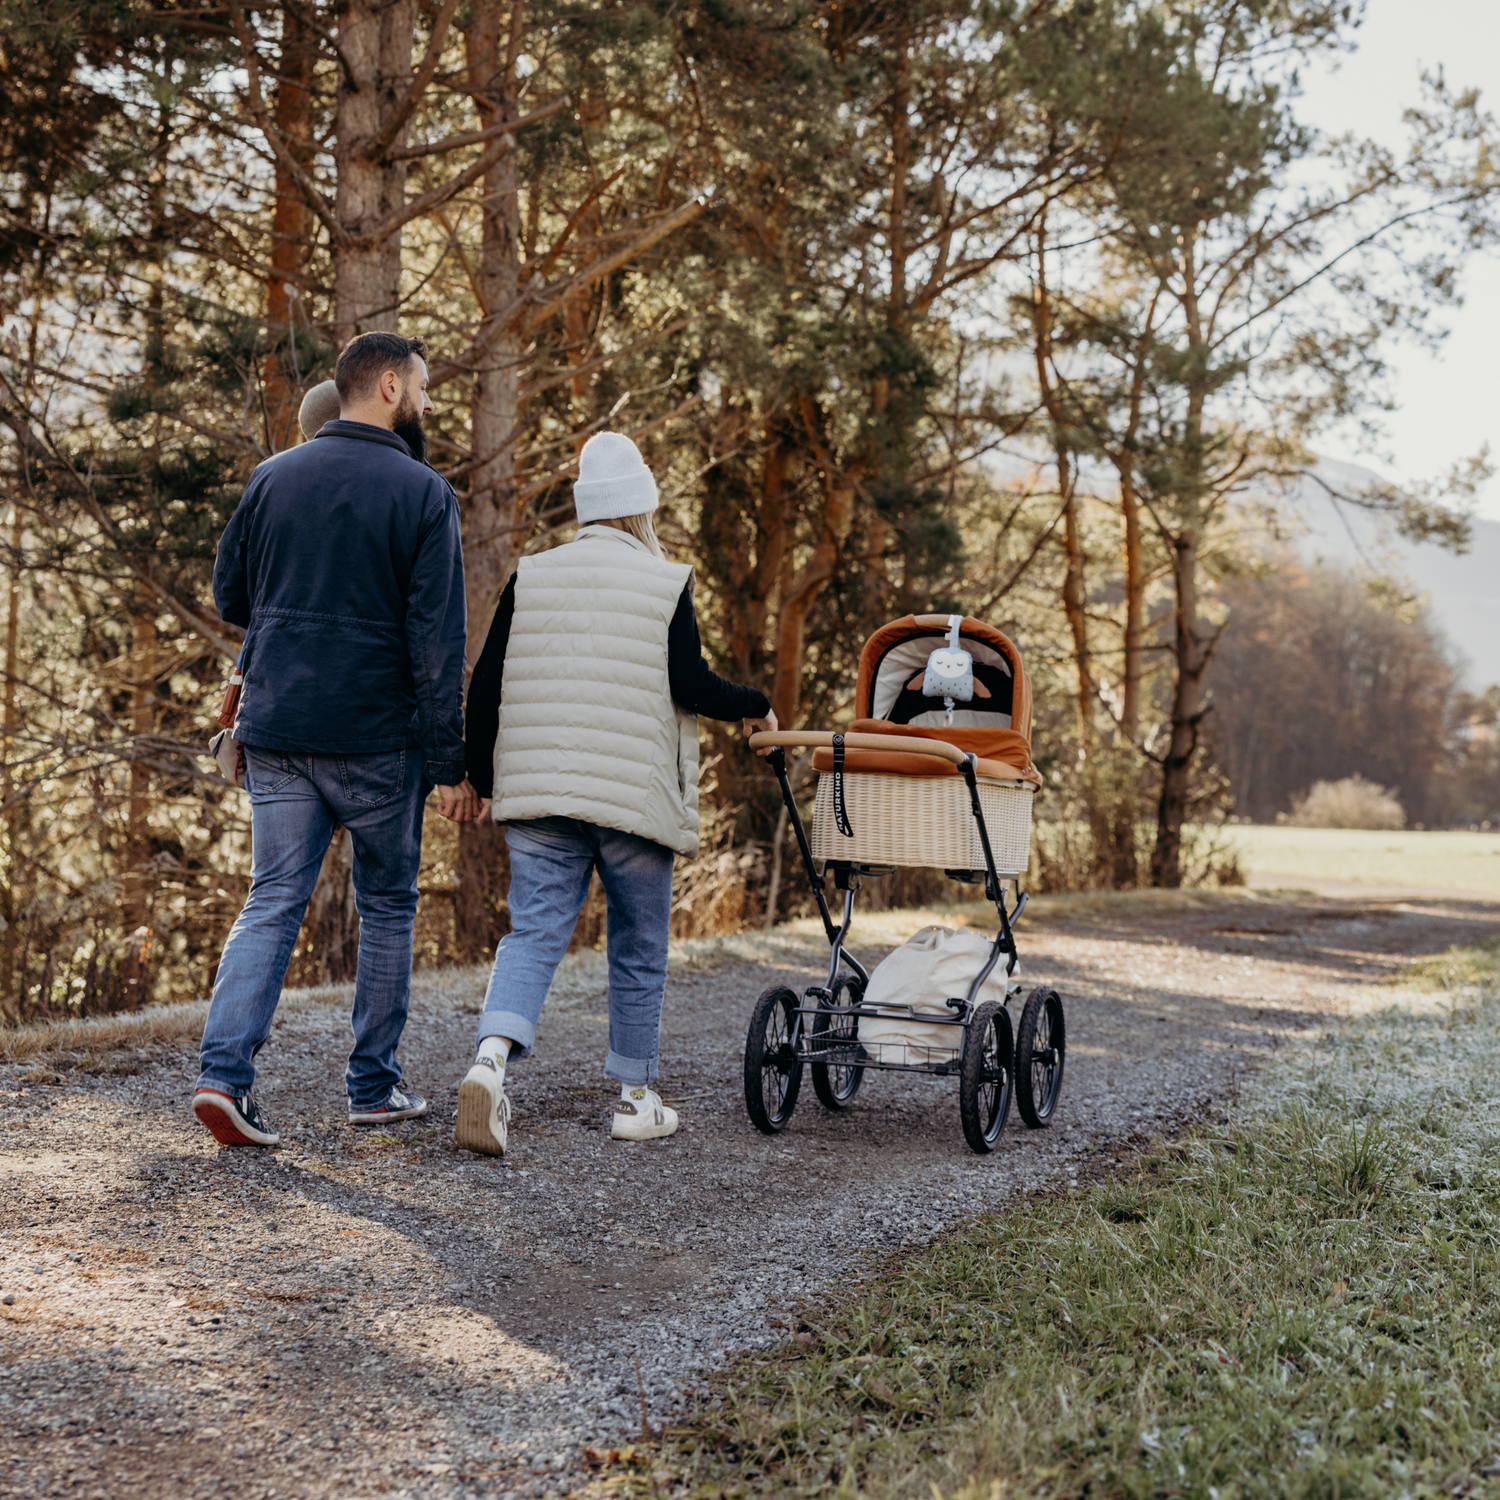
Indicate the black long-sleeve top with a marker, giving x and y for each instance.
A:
(696, 687)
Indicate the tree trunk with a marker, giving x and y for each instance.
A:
(10, 1003)
(1190, 652)
(490, 541)
(1135, 610)
(289, 232)
(375, 40)
(481, 915)
(1121, 861)
(1073, 599)
(1191, 656)
(137, 882)
(801, 587)
(901, 164)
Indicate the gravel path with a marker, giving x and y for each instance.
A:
(371, 1315)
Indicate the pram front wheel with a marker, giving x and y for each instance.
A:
(773, 1071)
(1040, 1051)
(836, 1083)
(986, 1076)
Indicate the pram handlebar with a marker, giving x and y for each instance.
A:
(823, 739)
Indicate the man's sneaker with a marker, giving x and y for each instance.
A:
(483, 1109)
(231, 1121)
(649, 1119)
(398, 1106)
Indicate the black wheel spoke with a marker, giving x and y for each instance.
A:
(835, 1037)
(1040, 1056)
(773, 1071)
(985, 1076)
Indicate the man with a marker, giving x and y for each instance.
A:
(343, 563)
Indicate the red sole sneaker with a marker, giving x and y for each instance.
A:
(219, 1114)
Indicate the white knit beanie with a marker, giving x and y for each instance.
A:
(613, 480)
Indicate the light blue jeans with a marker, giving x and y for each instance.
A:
(296, 801)
(551, 860)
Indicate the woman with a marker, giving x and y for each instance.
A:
(580, 726)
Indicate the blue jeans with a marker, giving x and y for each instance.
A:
(551, 860)
(296, 801)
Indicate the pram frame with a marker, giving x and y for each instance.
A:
(816, 1011)
(846, 877)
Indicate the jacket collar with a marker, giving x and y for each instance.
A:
(609, 534)
(366, 431)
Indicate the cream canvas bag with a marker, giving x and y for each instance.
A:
(934, 966)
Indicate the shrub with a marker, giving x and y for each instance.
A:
(1350, 803)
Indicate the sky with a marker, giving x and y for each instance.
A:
(1450, 402)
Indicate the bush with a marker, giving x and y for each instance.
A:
(1350, 803)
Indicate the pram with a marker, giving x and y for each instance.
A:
(917, 780)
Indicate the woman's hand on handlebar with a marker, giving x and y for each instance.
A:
(756, 726)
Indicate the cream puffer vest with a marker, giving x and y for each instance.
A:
(588, 728)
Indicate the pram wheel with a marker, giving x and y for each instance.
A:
(985, 1076)
(1040, 1050)
(773, 1071)
(837, 1083)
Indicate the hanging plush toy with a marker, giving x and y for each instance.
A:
(950, 671)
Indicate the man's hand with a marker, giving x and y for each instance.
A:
(754, 726)
(459, 804)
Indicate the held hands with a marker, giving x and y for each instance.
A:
(461, 803)
(755, 726)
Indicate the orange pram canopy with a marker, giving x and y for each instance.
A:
(995, 725)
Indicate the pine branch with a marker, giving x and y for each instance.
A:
(476, 137)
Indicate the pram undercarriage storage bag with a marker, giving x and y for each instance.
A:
(932, 967)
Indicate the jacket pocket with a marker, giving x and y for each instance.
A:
(371, 780)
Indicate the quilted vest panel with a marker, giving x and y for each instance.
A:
(588, 728)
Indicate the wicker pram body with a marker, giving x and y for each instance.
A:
(923, 821)
(910, 809)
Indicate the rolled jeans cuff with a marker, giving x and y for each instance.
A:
(506, 1023)
(220, 1087)
(629, 1069)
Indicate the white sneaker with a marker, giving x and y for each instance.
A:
(483, 1109)
(650, 1118)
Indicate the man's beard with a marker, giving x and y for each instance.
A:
(408, 427)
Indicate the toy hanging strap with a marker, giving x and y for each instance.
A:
(840, 811)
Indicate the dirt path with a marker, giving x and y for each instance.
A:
(380, 1315)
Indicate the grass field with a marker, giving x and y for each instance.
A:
(1296, 1303)
(1440, 860)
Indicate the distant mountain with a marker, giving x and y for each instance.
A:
(1463, 591)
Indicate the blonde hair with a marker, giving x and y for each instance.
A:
(642, 528)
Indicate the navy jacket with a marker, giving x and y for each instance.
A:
(345, 566)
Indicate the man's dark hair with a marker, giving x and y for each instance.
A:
(366, 358)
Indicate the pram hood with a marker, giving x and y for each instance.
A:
(995, 725)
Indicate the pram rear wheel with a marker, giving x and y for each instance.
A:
(1040, 1050)
(986, 1076)
(836, 1083)
(773, 1071)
